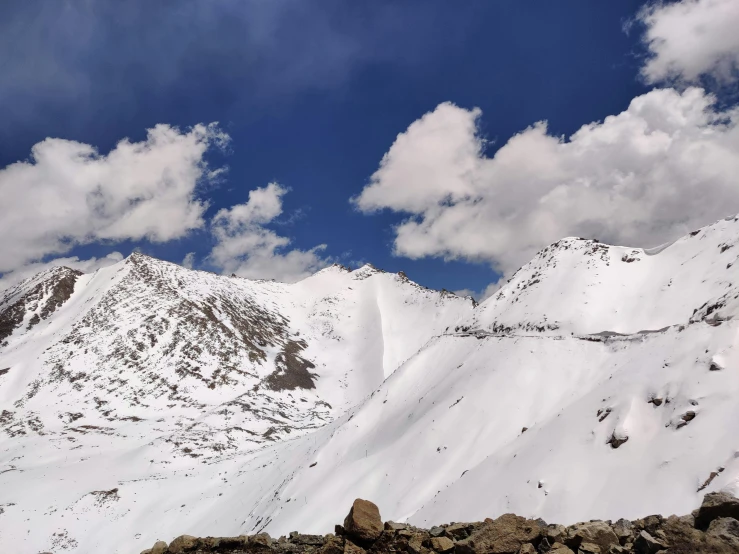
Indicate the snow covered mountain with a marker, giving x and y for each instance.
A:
(146, 400)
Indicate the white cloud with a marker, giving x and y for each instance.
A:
(189, 260)
(689, 38)
(248, 249)
(666, 165)
(69, 194)
(7, 280)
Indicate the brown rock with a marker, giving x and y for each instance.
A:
(160, 547)
(716, 505)
(183, 543)
(589, 548)
(351, 548)
(647, 544)
(332, 545)
(392, 526)
(457, 531)
(527, 548)
(725, 529)
(261, 539)
(441, 544)
(504, 535)
(363, 523)
(594, 532)
(559, 548)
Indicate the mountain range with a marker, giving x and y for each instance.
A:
(146, 400)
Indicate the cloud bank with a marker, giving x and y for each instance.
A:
(68, 193)
(245, 247)
(662, 167)
(690, 38)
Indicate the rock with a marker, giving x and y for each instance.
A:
(351, 548)
(457, 531)
(415, 545)
(441, 544)
(559, 548)
(261, 539)
(647, 544)
(392, 526)
(504, 535)
(339, 530)
(624, 530)
(436, 531)
(589, 548)
(160, 547)
(147, 551)
(183, 543)
(716, 505)
(593, 532)
(618, 550)
(332, 545)
(726, 529)
(555, 533)
(363, 523)
(527, 548)
(310, 540)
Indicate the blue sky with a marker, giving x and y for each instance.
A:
(313, 94)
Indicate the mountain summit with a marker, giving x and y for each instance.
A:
(146, 400)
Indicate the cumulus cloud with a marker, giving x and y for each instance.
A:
(691, 37)
(246, 247)
(68, 193)
(7, 280)
(664, 166)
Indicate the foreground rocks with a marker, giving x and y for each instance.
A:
(713, 528)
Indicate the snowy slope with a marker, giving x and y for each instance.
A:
(620, 364)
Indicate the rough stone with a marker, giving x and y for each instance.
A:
(160, 547)
(716, 505)
(504, 535)
(393, 526)
(527, 548)
(726, 529)
(594, 532)
(624, 530)
(559, 548)
(183, 543)
(589, 548)
(647, 544)
(436, 531)
(351, 548)
(441, 544)
(457, 531)
(363, 523)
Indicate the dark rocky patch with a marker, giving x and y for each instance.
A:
(715, 529)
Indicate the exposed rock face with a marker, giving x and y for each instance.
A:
(363, 523)
(363, 532)
(716, 505)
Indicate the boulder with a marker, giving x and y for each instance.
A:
(725, 529)
(332, 545)
(624, 530)
(436, 531)
(393, 526)
(183, 543)
(527, 548)
(160, 547)
(261, 539)
(457, 531)
(363, 523)
(589, 548)
(351, 548)
(504, 535)
(441, 544)
(593, 532)
(716, 505)
(559, 548)
(647, 544)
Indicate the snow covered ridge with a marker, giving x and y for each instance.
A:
(147, 401)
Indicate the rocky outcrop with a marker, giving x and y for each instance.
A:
(714, 528)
